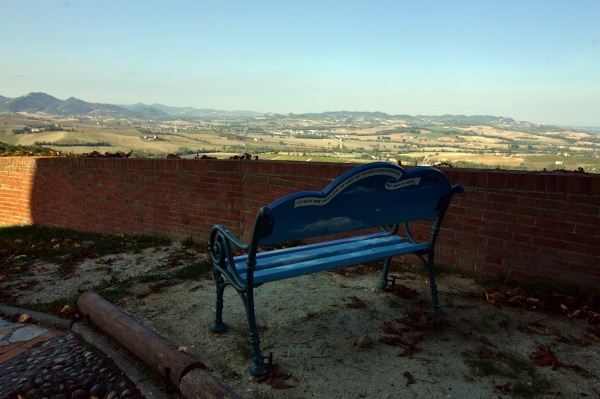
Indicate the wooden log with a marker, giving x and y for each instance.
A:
(153, 349)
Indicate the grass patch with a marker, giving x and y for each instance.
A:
(193, 271)
(113, 289)
(23, 245)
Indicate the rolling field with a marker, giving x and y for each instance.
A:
(471, 146)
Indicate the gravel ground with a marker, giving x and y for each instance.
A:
(63, 368)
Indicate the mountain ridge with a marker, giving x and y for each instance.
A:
(42, 102)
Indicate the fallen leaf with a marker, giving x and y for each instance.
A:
(409, 378)
(594, 337)
(363, 342)
(41, 269)
(495, 297)
(538, 331)
(543, 356)
(356, 303)
(24, 318)
(67, 309)
(182, 349)
(486, 341)
(389, 328)
(504, 388)
(275, 378)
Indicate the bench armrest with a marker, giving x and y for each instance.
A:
(220, 247)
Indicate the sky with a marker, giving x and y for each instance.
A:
(531, 60)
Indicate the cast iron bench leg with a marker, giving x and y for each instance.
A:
(436, 311)
(384, 279)
(259, 367)
(218, 325)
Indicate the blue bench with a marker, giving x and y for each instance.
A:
(367, 205)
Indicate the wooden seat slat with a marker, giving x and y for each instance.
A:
(297, 254)
(327, 261)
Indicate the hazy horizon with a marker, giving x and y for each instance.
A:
(530, 61)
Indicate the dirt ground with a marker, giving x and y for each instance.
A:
(334, 335)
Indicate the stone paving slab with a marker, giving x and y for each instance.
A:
(18, 338)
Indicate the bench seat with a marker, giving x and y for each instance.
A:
(296, 261)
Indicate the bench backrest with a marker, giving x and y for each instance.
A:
(370, 195)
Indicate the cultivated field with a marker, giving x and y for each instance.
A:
(305, 140)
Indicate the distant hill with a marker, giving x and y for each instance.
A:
(473, 119)
(42, 102)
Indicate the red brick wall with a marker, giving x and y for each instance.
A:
(16, 183)
(519, 225)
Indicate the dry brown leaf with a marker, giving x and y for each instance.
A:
(356, 303)
(24, 318)
(486, 341)
(538, 331)
(41, 269)
(543, 356)
(504, 388)
(594, 337)
(495, 297)
(182, 349)
(409, 378)
(67, 309)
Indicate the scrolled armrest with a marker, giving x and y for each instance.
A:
(220, 247)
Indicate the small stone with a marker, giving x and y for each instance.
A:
(32, 394)
(364, 342)
(96, 389)
(112, 395)
(80, 394)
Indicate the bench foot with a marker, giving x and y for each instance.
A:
(382, 284)
(218, 327)
(258, 370)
